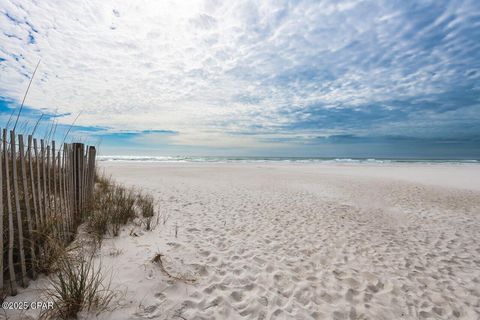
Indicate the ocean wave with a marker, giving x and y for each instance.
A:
(190, 159)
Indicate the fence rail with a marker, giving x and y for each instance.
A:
(46, 192)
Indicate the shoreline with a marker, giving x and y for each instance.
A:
(274, 160)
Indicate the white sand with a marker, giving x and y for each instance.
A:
(300, 241)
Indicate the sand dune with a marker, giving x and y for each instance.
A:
(300, 242)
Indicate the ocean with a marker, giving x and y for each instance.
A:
(227, 159)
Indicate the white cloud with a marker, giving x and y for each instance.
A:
(205, 67)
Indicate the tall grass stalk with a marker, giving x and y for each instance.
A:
(78, 285)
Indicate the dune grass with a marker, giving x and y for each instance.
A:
(146, 206)
(50, 247)
(115, 206)
(78, 285)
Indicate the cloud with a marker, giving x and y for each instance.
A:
(214, 71)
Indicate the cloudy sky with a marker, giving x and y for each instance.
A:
(294, 78)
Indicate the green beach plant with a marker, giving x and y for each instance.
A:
(78, 285)
(146, 206)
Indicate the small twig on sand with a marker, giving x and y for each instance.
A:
(158, 260)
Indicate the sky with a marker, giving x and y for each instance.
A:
(248, 78)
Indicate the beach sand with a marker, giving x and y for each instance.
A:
(300, 241)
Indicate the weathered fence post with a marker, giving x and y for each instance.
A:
(48, 204)
(74, 184)
(65, 192)
(44, 181)
(84, 179)
(11, 270)
(54, 202)
(77, 172)
(39, 186)
(23, 267)
(1, 222)
(91, 163)
(32, 183)
(61, 207)
(26, 197)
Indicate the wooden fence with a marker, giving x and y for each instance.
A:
(46, 192)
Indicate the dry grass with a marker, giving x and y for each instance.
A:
(102, 182)
(146, 206)
(116, 206)
(78, 285)
(123, 206)
(115, 252)
(98, 223)
(51, 248)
